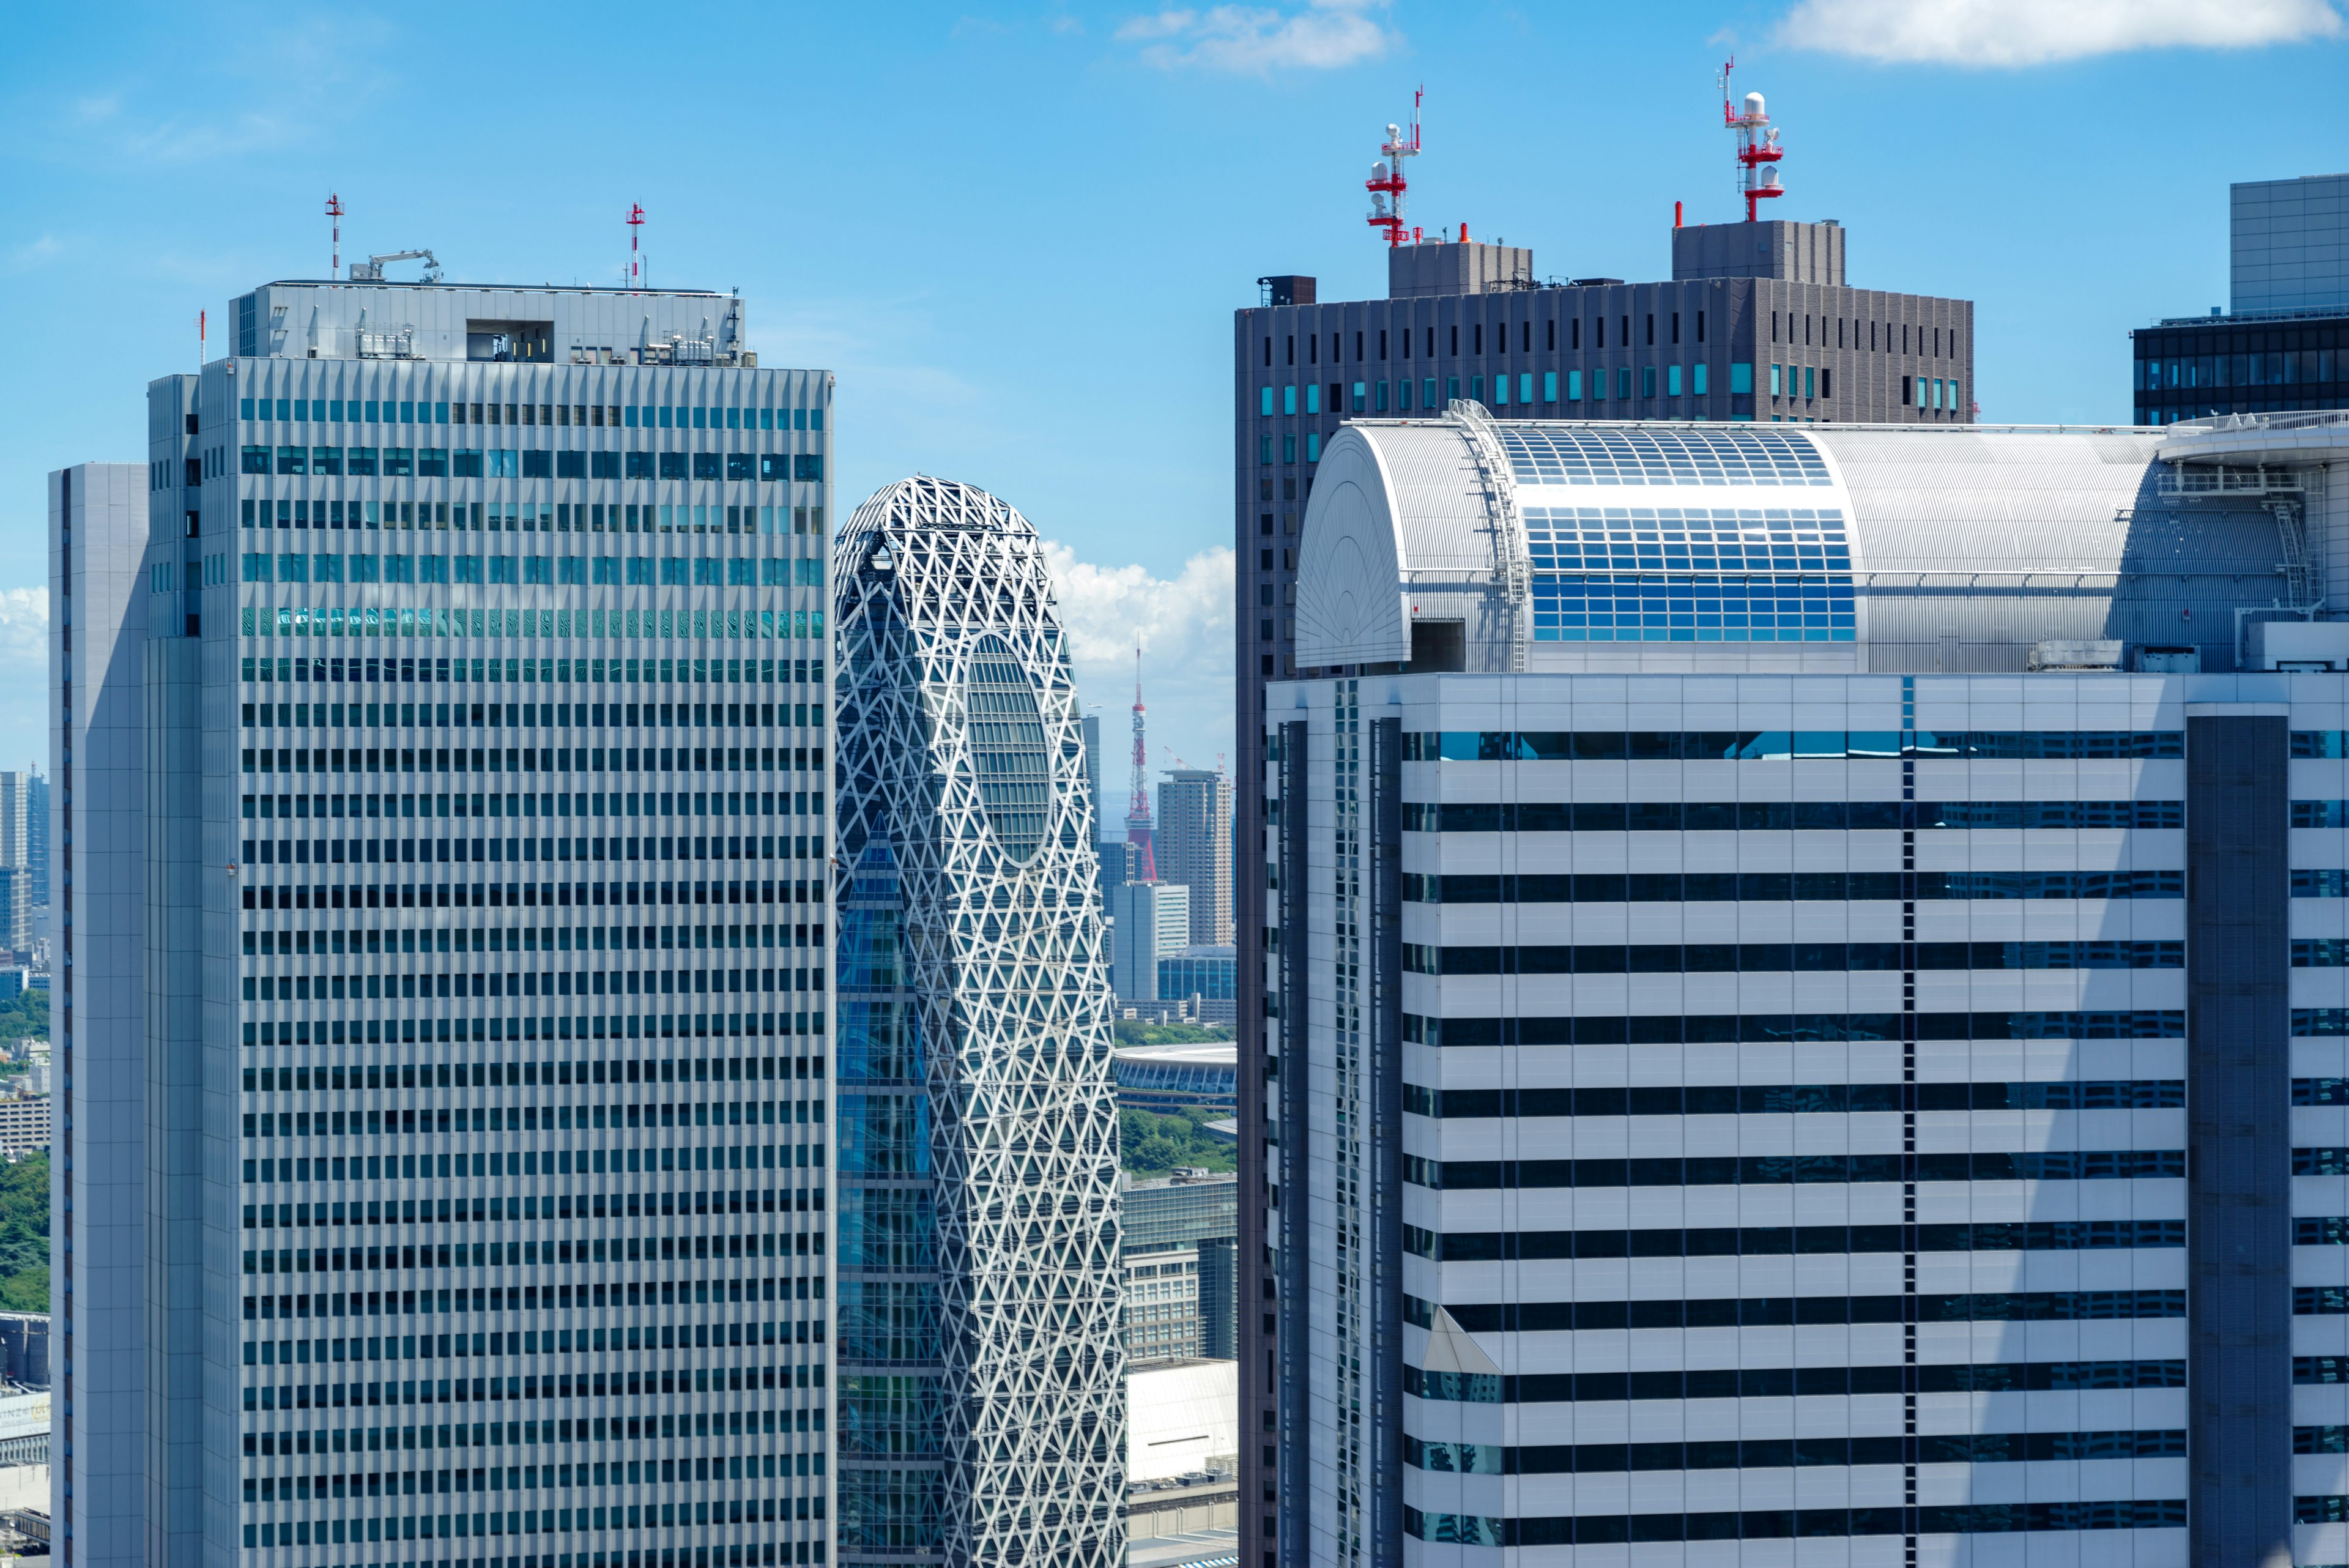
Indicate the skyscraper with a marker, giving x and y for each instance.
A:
(982, 1378)
(1758, 322)
(1195, 847)
(15, 860)
(37, 835)
(442, 1163)
(1820, 1042)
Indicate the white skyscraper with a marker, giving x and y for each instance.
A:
(1808, 1000)
(982, 1404)
(440, 747)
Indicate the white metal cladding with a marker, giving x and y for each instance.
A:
(940, 589)
(1968, 545)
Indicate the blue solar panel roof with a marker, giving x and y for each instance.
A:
(1689, 454)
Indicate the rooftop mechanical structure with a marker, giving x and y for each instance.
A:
(977, 1108)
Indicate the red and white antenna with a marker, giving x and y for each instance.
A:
(335, 210)
(1387, 185)
(636, 225)
(1757, 144)
(1138, 830)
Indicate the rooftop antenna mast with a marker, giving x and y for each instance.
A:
(1757, 144)
(636, 227)
(335, 210)
(1387, 185)
(1138, 830)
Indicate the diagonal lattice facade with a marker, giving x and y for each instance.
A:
(978, 1121)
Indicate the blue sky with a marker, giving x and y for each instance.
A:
(1018, 232)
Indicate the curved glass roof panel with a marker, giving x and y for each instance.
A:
(1691, 454)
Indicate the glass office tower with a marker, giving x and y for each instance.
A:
(442, 1030)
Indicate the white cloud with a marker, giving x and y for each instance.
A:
(2011, 33)
(1185, 627)
(1324, 35)
(23, 677)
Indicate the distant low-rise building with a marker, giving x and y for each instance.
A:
(23, 1124)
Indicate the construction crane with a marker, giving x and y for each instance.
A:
(371, 269)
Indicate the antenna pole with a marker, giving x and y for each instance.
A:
(1757, 142)
(1138, 828)
(1387, 183)
(200, 339)
(335, 210)
(636, 225)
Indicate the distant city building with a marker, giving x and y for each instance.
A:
(1120, 863)
(1179, 1263)
(2282, 346)
(1205, 975)
(24, 1124)
(981, 1377)
(2288, 243)
(1152, 919)
(16, 878)
(1194, 846)
(1091, 726)
(25, 1348)
(36, 836)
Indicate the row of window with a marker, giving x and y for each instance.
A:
(1781, 745)
(1779, 1169)
(712, 891)
(1781, 1028)
(1793, 1523)
(1829, 816)
(532, 1341)
(662, 982)
(526, 1478)
(679, 803)
(501, 1209)
(529, 571)
(530, 939)
(1622, 337)
(530, 1434)
(477, 462)
(530, 1027)
(1786, 1382)
(1791, 1241)
(1787, 1312)
(1379, 397)
(551, 759)
(285, 620)
(631, 416)
(526, 517)
(532, 1522)
(2275, 368)
(1807, 887)
(1831, 1099)
(731, 671)
(410, 1076)
(1790, 1453)
(666, 1247)
(1836, 958)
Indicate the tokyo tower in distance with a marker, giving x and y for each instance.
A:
(1138, 830)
